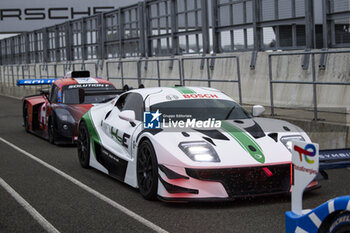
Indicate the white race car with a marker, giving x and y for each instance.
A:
(188, 143)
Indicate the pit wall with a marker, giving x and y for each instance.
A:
(254, 82)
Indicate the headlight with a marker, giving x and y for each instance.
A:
(64, 115)
(199, 151)
(287, 140)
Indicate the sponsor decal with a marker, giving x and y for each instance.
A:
(200, 96)
(308, 151)
(339, 221)
(303, 169)
(89, 85)
(151, 120)
(192, 123)
(188, 93)
(85, 80)
(121, 140)
(335, 154)
(155, 120)
(246, 142)
(22, 82)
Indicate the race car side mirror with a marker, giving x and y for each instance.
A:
(127, 115)
(258, 110)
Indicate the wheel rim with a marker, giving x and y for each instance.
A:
(83, 144)
(145, 169)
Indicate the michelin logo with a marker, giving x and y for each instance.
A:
(151, 120)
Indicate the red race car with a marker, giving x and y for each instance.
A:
(55, 115)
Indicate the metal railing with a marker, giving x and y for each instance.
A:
(314, 82)
(209, 61)
(138, 66)
(175, 27)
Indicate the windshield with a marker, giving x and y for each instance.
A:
(200, 109)
(95, 93)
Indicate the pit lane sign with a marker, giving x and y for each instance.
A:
(19, 16)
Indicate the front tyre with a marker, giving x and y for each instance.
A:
(25, 117)
(51, 131)
(83, 145)
(147, 170)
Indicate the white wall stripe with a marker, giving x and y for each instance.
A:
(315, 220)
(30, 209)
(300, 230)
(88, 189)
(331, 206)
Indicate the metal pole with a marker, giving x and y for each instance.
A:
(314, 86)
(208, 72)
(180, 72)
(205, 26)
(271, 87)
(122, 71)
(215, 20)
(158, 73)
(239, 81)
(183, 72)
(139, 72)
(107, 71)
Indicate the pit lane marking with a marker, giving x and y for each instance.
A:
(89, 190)
(30, 209)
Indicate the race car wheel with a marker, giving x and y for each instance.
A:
(340, 223)
(147, 170)
(51, 131)
(83, 145)
(25, 117)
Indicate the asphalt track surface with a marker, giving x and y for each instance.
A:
(73, 199)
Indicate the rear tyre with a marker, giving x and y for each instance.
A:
(338, 223)
(25, 117)
(51, 131)
(147, 171)
(83, 145)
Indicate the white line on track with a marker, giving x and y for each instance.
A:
(88, 189)
(33, 212)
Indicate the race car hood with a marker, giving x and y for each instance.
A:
(245, 142)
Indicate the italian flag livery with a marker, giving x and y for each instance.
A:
(216, 151)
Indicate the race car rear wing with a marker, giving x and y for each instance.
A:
(332, 159)
(26, 82)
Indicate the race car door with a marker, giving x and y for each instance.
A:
(121, 131)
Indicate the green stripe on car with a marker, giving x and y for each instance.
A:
(185, 90)
(245, 141)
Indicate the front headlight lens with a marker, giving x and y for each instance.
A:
(65, 116)
(287, 140)
(199, 151)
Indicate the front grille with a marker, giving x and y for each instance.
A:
(248, 181)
